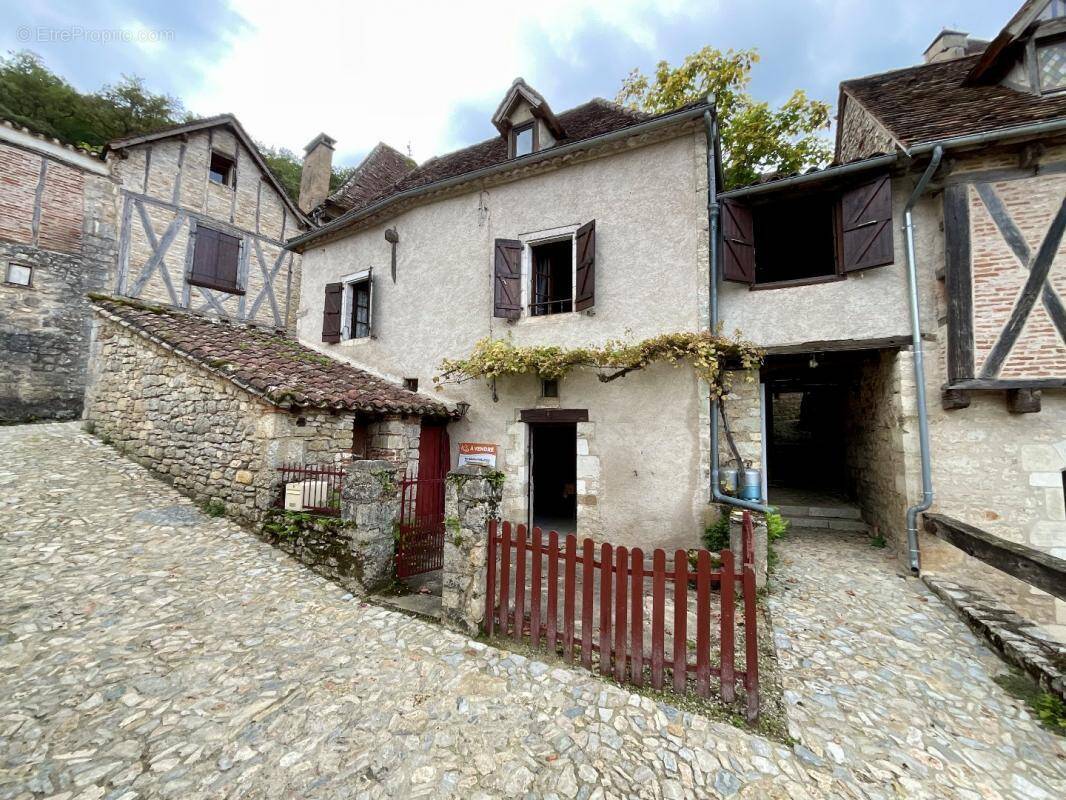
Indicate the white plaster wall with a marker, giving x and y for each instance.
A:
(871, 304)
(649, 213)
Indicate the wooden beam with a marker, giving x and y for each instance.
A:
(1023, 401)
(554, 415)
(999, 385)
(1035, 567)
(958, 282)
(833, 345)
(951, 399)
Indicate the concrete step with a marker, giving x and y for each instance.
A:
(827, 523)
(833, 511)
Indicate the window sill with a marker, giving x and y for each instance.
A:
(357, 341)
(758, 287)
(218, 287)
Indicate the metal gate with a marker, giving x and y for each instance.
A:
(420, 547)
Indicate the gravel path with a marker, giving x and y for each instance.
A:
(148, 651)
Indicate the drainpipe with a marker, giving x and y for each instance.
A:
(919, 364)
(711, 124)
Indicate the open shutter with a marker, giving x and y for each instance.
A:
(507, 289)
(866, 225)
(586, 266)
(331, 312)
(738, 243)
(370, 302)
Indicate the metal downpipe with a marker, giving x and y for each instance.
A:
(711, 124)
(919, 365)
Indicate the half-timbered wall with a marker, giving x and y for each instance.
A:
(57, 219)
(166, 195)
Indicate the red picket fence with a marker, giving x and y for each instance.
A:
(630, 617)
(321, 489)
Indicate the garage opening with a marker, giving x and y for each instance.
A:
(553, 475)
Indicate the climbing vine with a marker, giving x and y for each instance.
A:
(709, 354)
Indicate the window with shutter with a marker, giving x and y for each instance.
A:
(738, 243)
(357, 305)
(507, 289)
(331, 312)
(216, 261)
(866, 225)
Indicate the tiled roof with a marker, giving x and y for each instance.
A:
(267, 363)
(931, 102)
(596, 117)
(382, 168)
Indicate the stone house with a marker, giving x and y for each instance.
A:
(570, 228)
(815, 270)
(189, 216)
(215, 406)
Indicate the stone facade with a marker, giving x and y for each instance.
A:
(472, 499)
(859, 134)
(209, 438)
(370, 504)
(57, 217)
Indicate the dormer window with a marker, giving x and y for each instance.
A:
(523, 139)
(1051, 63)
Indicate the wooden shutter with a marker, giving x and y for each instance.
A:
(331, 312)
(586, 266)
(370, 302)
(507, 289)
(229, 259)
(738, 242)
(205, 256)
(866, 225)
(216, 260)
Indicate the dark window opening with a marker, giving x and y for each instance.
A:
(549, 388)
(360, 321)
(553, 476)
(221, 170)
(360, 439)
(216, 261)
(553, 277)
(795, 240)
(410, 384)
(522, 140)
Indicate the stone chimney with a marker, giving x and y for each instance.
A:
(314, 181)
(946, 46)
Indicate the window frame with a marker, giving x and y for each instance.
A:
(230, 181)
(533, 141)
(535, 239)
(239, 286)
(347, 300)
(15, 284)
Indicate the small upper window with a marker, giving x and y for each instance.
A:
(222, 168)
(19, 275)
(410, 384)
(522, 140)
(1051, 60)
(1056, 9)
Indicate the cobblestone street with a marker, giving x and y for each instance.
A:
(149, 651)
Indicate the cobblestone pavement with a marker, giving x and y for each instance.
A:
(148, 651)
(880, 675)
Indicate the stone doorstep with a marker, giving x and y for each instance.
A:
(829, 523)
(838, 512)
(1015, 639)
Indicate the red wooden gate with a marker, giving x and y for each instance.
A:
(420, 545)
(615, 610)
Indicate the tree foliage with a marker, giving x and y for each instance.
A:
(755, 137)
(706, 352)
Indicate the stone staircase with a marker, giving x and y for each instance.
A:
(837, 515)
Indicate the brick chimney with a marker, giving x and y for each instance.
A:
(318, 162)
(946, 46)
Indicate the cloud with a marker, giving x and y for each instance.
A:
(427, 75)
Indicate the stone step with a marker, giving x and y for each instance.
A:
(828, 523)
(834, 511)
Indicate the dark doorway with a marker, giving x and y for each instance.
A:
(553, 475)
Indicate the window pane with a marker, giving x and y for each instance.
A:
(19, 274)
(1052, 59)
(523, 142)
(361, 310)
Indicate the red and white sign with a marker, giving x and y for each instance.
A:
(477, 453)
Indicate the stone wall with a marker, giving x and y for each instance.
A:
(742, 415)
(861, 135)
(472, 499)
(209, 438)
(59, 220)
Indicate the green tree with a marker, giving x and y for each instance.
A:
(128, 108)
(286, 167)
(755, 137)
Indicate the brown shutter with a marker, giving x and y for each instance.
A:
(738, 242)
(866, 225)
(586, 266)
(331, 312)
(205, 255)
(229, 257)
(507, 289)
